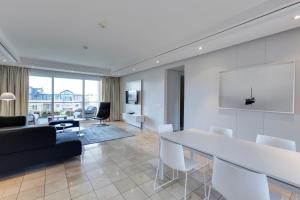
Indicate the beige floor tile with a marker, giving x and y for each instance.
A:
(80, 189)
(124, 185)
(116, 176)
(59, 168)
(148, 188)
(31, 184)
(34, 175)
(55, 177)
(162, 195)
(135, 194)
(88, 196)
(119, 197)
(61, 195)
(10, 197)
(77, 179)
(100, 182)
(177, 190)
(33, 194)
(107, 192)
(11, 189)
(95, 173)
(14, 179)
(56, 186)
(140, 178)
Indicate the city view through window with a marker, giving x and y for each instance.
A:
(52, 98)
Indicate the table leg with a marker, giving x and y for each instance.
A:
(192, 154)
(161, 170)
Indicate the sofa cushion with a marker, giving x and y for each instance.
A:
(29, 138)
(12, 121)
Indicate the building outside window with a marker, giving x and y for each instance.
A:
(69, 97)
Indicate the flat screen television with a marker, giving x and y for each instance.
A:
(132, 97)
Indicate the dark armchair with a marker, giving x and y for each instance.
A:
(103, 113)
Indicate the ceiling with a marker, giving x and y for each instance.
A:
(114, 37)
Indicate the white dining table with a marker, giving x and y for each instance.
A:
(280, 166)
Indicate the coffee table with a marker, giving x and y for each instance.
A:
(63, 126)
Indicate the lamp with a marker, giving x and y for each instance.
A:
(7, 96)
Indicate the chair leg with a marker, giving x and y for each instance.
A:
(185, 185)
(204, 182)
(155, 185)
(156, 175)
(209, 191)
(295, 195)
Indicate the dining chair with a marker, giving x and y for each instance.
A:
(279, 143)
(165, 128)
(276, 142)
(235, 183)
(172, 155)
(221, 131)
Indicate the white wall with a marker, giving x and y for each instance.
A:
(201, 88)
(153, 95)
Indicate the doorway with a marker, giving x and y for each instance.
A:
(175, 98)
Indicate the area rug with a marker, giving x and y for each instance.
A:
(95, 134)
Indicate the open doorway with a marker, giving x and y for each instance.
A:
(175, 97)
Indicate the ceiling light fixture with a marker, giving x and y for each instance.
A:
(85, 47)
(297, 17)
(4, 60)
(157, 61)
(102, 24)
(133, 69)
(200, 48)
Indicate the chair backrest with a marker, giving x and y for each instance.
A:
(165, 128)
(221, 131)
(172, 155)
(276, 142)
(104, 110)
(235, 183)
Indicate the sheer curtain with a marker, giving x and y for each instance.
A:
(111, 93)
(15, 80)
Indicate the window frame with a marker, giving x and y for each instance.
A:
(67, 76)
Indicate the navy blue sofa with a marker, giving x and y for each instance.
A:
(22, 146)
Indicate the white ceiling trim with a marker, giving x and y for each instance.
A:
(59, 67)
(273, 22)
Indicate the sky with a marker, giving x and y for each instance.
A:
(61, 84)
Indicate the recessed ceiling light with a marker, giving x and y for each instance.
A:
(102, 24)
(157, 61)
(297, 17)
(4, 60)
(200, 48)
(133, 69)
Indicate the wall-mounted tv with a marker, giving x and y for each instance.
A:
(132, 97)
(269, 88)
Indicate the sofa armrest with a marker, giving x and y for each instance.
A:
(12, 121)
(26, 138)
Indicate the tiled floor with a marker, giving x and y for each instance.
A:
(114, 170)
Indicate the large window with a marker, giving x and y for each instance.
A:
(67, 97)
(40, 98)
(54, 98)
(92, 95)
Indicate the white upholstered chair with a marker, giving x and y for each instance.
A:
(276, 142)
(221, 131)
(235, 183)
(172, 155)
